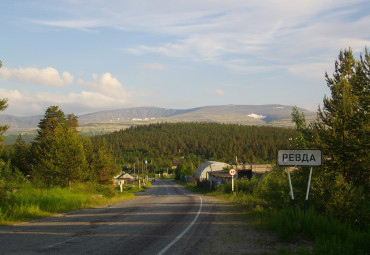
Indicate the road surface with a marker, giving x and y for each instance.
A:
(166, 219)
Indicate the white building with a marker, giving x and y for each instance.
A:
(209, 166)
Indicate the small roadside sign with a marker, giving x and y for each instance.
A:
(232, 172)
(299, 158)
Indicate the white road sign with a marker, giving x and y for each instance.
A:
(232, 172)
(299, 158)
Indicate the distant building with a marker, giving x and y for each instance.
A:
(201, 173)
(212, 173)
(126, 178)
(218, 177)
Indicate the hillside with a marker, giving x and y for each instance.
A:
(108, 121)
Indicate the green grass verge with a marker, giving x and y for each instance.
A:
(30, 202)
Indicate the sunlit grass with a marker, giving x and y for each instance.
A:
(31, 202)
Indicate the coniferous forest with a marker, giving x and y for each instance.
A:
(163, 144)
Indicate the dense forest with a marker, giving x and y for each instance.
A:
(165, 143)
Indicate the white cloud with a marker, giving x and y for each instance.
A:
(107, 86)
(216, 92)
(25, 103)
(74, 24)
(48, 76)
(102, 93)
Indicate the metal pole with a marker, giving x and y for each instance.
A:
(232, 183)
(308, 190)
(291, 190)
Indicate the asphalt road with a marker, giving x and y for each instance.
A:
(166, 219)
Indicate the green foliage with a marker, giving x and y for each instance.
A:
(9, 180)
(342, 131)
(304, 139)
(343, 125)
(102, 166)
(243, 185)
(59, 157)
(186, 167)
(20, 156)
(330, 236)
(333, 195)
(274, 189)
(196, 143)
(53, 118)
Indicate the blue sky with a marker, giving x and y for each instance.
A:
(92, 55)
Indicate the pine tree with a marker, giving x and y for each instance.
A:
(52, 118)
(304, 139)
(102, 166)
(72, 121)
(343, 124)
(20, 156)
(59, 155)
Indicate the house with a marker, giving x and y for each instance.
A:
(124, 177)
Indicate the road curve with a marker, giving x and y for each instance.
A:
(166, 219)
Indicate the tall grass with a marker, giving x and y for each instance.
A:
(31, 202)
(330, 236)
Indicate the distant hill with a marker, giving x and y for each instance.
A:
(108, 121)
(20, 122)
(129, 114)
(239, 114)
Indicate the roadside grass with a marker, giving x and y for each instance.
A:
(328, 235)
(30, 202)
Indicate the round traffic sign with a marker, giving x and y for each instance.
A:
(232, 172)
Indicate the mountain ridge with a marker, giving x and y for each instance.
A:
(268, 114)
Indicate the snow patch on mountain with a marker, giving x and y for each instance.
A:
(257, 116)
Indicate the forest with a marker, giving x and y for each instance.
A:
(188, 145)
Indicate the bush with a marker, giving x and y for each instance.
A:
(274, 189)
(9, 181)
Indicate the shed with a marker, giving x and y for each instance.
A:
(209, 166)
(218, 177)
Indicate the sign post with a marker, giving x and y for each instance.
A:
(232, 172)
(299, 158)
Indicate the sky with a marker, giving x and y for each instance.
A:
(92, 55)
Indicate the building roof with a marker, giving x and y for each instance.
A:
(209, 166)
(124, 176)
(221, 174)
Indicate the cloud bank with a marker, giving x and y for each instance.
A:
(48, 76)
